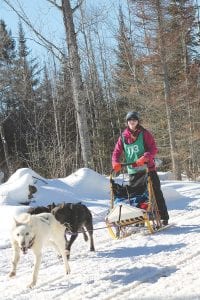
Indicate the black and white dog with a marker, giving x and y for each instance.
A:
(77, 218)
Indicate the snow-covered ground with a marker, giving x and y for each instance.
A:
(165, 265)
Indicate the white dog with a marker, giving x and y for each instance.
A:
(32, 232)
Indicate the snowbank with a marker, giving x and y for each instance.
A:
(13, 192)
(83, 184)
(23, 171)
(89, 183)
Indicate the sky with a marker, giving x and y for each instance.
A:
(48, 20)
(164, 265)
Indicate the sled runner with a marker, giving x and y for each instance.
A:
(132, 208)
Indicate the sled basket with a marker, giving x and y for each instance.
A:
(132, 208)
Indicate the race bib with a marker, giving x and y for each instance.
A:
(132, 150)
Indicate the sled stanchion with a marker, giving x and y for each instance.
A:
(111, 194)
(120, 212)
(153, 203)
(111, 232)
(149, 226)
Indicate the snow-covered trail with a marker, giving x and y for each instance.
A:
(138, 267)
(165, 265)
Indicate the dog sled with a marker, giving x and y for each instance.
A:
(132, 208)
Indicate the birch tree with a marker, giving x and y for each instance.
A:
(77, 83)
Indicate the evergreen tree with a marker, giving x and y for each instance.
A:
(26, 112)
(7, 60)
(7, 45)
(124, 75)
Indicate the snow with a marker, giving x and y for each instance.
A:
(165, 265)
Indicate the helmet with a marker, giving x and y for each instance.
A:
(132, 115)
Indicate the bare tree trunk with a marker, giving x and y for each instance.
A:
(56, 121)
(187, 100)
(167, 92)
(77, 84)
(106, 83)
(91, 66)
(94, 94)
(5, 149)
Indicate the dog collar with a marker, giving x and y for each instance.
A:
(31, 242)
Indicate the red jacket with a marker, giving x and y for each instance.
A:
(149, 145)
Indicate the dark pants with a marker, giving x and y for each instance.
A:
(140, 179)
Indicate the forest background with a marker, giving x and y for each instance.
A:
(64, 108)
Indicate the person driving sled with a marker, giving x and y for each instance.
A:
(139, 147)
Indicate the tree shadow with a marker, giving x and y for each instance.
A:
(124, 252)
(141, 275)
(183, 229)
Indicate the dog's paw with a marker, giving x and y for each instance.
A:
(12, 274)
(68, 271)
(31, 285)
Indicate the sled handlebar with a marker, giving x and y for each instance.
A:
(142, 168)
(127, 164)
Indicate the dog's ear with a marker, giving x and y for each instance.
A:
(17, 223)
(25, 219)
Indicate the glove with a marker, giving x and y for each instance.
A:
(148, 156)
(116, 166)
(141, 161)
(150, 160)
(145, 159)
